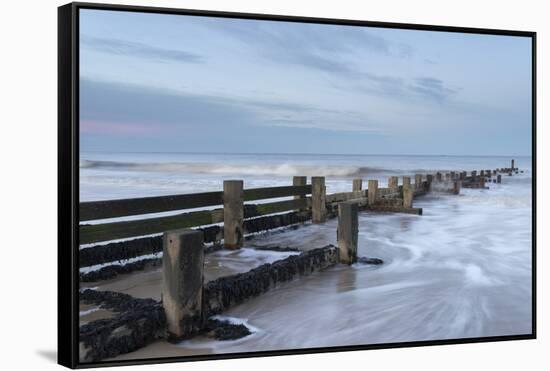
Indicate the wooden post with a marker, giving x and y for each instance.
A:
(418, 181)
(474, 173)
(499, 178)
(233, 213)
(372, 191)
(482, 173)
(407, 195)
(299, 181)
(429, 180)
(438, 177)
(318, 199)
(447, 176)
(182, 281)
(513, 164)
(482, 182)
(348, 229)
(393, 182)
(357, 185)
(456, 187)
(453, 175)
(406, 180)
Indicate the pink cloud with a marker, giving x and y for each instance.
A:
(116, 128)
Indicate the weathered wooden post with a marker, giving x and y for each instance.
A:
(482, 173)
(407, 195)
(418, 181)
(453, 175)
(447, 176)
(406, 180)
(438, 177)
(372, 191)
(348, 229)
(233, 213)
(318, 199)
(393, 182)
(474, 173)
(462, 175)
(482, 182)
(513, 164)
(299, 181)
(429, 180)
(456, 187)
(499, 178)
(357, 185)
(182, 281)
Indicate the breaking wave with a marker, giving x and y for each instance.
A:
(283, 169)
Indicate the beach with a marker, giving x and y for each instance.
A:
(461, 270)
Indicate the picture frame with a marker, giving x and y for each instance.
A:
(69, 203)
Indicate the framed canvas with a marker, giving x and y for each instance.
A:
(241, 185)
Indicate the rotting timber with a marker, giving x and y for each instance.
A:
(136, 322)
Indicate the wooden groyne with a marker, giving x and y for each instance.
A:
(188, 303)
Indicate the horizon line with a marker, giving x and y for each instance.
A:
(302, 153)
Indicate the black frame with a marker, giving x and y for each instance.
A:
(68, 186)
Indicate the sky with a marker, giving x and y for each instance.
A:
(172, 83)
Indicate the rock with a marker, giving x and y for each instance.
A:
(277, 248)
(373, 261)
(225, 330)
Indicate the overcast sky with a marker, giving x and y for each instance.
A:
(171, 83)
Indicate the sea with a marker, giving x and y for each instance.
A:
(460, 270)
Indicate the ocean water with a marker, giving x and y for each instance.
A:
(461, 270)
(122, 175)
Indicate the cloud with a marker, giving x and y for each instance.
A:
(139, 50)
(143, 110)
(432, 88)
(319, 48)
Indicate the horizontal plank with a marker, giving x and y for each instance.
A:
(385, 191)
(251, 211)
(146, 205)
(395, 209)
(276, 192)
(111, 231)
(345, 196)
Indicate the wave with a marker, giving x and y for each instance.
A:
(284, 169)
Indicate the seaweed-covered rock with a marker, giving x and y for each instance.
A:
(366, 260)
(225, 330)
(277, 248)
(140, 322)
(222, 293)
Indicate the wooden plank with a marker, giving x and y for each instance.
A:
(393, 209)
(146, 205)
(111, 231)
(346, 196)
(251, 211)
(275, 192)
